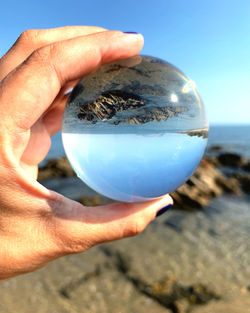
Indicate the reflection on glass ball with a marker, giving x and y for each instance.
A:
(135, 129)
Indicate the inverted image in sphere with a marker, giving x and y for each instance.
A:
(135, 129)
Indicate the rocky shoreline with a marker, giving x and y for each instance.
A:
(223, 172)
(182, 263)
(108, 105)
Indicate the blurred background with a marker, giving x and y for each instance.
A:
(195, 258)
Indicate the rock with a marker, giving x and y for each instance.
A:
(109, 104)
(215, 148)
(197, 132)
(56, 168)
(231, 159)
(238, 305)
(205, 184)
(175, 296)
(244, 181)
(182, 306)
(246, 167)
(214, 160)
(90, 201)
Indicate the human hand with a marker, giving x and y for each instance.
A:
(38, 225)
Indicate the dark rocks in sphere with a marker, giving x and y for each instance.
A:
(197, 132)
(108, 104)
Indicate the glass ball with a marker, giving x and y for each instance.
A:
(135, 129)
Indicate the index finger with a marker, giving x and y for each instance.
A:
(33, 39)
(29, 90)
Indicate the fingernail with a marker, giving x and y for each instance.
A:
(130, 32)
(163, 210)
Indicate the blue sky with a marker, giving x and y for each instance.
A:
(208, 40)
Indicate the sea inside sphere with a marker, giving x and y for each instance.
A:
(135, 129)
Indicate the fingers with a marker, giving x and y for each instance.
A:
(78, 227)
(33, 39)
(37, 81)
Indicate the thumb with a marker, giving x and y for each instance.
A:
(79, 228)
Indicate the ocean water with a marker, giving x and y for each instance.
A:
(134, 167)
(231, 138)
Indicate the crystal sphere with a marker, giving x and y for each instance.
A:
(135, 129)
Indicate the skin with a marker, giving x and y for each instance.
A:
(38, 225)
